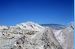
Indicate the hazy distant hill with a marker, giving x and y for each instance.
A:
(55, 26)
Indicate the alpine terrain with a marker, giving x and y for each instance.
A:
(30, 35)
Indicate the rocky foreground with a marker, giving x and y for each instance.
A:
(31, 35)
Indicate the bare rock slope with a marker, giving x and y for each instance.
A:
(31, 35)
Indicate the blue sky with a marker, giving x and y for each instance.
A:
(40, 11)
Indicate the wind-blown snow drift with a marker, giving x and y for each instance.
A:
(31, 35)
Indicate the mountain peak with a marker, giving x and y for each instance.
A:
(30, 26)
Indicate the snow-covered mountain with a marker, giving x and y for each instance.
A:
(30, 35)
(30, 26)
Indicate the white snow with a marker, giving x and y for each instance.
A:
(30, 26)
(3, 27)
(59, 36)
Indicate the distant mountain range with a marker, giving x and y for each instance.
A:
(55, 26)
